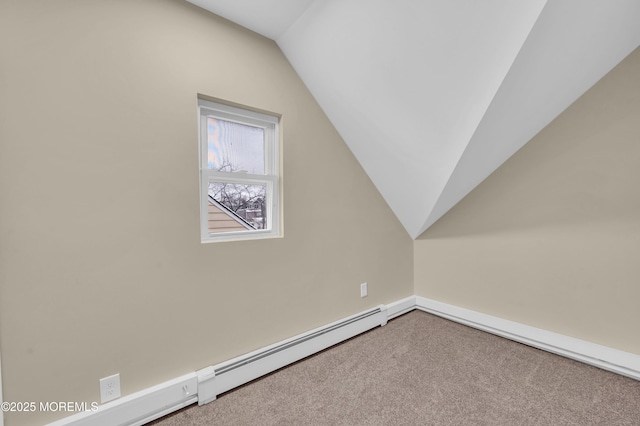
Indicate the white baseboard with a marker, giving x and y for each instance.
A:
(624, 363)
(400, 307)
(206, 384)
(220, 378)
(140, 407)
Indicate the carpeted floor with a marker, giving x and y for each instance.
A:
(420, 369)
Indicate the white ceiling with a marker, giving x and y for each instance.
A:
(433, 95)
(267, 17)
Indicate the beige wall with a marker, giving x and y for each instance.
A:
(552, 238)
(98, 127)
(98, 123)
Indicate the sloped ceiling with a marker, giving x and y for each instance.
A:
(433, 95)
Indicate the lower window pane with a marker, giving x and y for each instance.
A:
(237, 206)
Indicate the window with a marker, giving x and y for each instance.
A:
(239, 173)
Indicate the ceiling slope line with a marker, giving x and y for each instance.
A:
(544, 46)
(428, 119)
(430, 218)
(283, 33)
(269, 18)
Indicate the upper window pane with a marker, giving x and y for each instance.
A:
(235, 147)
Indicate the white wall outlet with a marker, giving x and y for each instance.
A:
(363, 290)
(110, 388)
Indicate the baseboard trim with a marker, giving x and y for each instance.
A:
(401, 307)
(206, 384)
(624, 363)
(220, 378)
(140, 407)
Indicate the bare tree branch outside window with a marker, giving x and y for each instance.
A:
(246, 200)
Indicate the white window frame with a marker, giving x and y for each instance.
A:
(271, 179)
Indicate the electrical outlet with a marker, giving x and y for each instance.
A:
(363, 290)
(110, 388)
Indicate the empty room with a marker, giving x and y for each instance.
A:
(319, 212)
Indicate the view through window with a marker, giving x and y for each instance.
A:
(239, 172)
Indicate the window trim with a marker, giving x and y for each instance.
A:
(270, 122)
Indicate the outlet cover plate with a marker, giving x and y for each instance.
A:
(363, 290)
(110, 388)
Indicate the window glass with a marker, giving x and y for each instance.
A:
(234, 147)
(239, 173)
(247, 201)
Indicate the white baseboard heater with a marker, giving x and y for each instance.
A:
(141, 407)
(205, 385)
(220, 378)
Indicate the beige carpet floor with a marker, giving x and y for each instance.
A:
(420, 369)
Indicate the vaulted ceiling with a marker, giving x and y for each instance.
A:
(433, 95)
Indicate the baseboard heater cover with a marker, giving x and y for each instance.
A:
(206, 384)
(616, 361)
(220, 378)
(141, 407)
